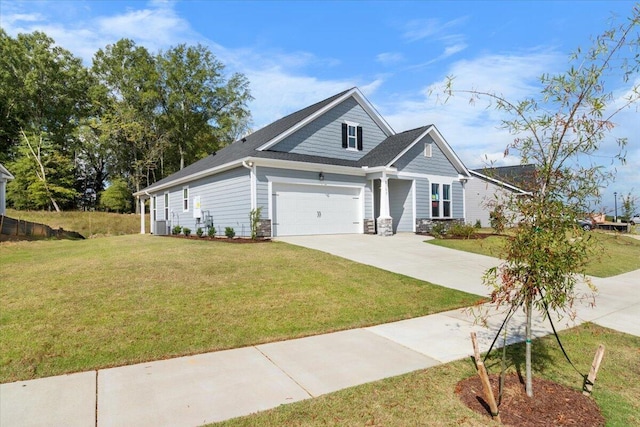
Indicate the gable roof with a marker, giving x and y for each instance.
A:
(256, 145)
(246, 146)
(519, 178)
(385, 152)
(309, 114)
(393, 148)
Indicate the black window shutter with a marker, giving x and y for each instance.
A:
(359, 138)
(344, 135)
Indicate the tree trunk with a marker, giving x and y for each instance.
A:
(42, 173)
(528, 385)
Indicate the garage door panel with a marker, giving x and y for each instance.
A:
(315, 209)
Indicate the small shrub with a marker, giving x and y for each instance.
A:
(497, 219)
(229, 232)
(461, 230)
(438, 229)
(176, 230)
(254, 220)
(478, 224)
(211, 232)
(186, 231)
(199, 232)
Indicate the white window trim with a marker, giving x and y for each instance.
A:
(447, 200)
(441, 200)
(185, 206)
(355, 136)
(166, 205)
(428, 150)
(154, 209)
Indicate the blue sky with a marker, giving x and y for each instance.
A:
(298, 52)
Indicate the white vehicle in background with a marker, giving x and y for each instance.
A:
(635, 220)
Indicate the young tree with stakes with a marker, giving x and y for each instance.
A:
(559, 132)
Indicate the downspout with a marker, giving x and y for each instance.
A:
(252, 177)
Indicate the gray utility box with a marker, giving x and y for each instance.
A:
(161, 228)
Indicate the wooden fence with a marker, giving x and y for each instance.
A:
(16, 229)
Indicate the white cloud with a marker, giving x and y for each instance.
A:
(278, 93)
(419, 29)
(155, 27)
(473, 130)
(452, 50)
(388, 58)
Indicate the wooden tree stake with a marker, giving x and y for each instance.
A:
(591, 378)
(476, 351)
(484, 378)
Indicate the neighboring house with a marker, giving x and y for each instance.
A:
(5, 176)
(493, 184)
(333, 167)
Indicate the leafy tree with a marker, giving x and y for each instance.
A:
(628, 206)
(559, 132)
(43, 178)
(130, 119)
(117, 197)
(200, 108)
(43, 95)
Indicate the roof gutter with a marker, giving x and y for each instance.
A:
(190, 178)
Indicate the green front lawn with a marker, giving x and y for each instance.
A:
(427, 397)
(71, 306)
(615, 254)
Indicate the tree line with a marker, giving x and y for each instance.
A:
(67, 132)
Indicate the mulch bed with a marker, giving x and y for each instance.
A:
(552, 404)
(220, 239)
(476, 236)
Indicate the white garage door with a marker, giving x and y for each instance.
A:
(315, 209)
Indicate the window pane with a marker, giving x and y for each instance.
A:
(351, 136)
(435, 200)
(446, 192)
(446, 209)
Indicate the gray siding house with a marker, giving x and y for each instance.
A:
(494, 185)
(5, 177)
(333, 167)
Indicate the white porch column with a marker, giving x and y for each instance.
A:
(384, 196)
(142, 221)
(384, 221)
(3, 203)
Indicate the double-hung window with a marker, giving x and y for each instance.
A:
(166, 206)
(435, 200)
(154, 207)
(446, 200)
(185, 199)
(351, 136)
(440, 200)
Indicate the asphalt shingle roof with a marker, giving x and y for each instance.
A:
(380, 155)
(388, 149)
(247, 146)
(521, 176)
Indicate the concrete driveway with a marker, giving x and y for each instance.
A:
(406, 253)
(617, 305)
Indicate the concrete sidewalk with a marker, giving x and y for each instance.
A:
(195, 390)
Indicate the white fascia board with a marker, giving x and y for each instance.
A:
(304, 166)
(442, 144)
(360, 99)
(5, 175)
(499, 183)
(377, 171)
(192, 177)
(373, 113)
